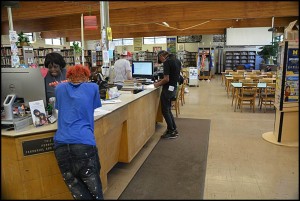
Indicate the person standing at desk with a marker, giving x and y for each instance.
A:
(171, 67)
(122, 71)
(56, 72)
(74, 141)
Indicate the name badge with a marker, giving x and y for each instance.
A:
(171, 88)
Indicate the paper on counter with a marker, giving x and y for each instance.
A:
(99, 111)
(113, 101)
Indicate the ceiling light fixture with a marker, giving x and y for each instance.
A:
(166, 24)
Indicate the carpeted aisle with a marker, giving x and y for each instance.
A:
(175, 169)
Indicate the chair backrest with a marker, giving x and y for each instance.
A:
(227, 71)
(269, 91)
(236, 78)
(241, 71)
(246, 80)
(249, 90)
(266, 80)
(233, 73)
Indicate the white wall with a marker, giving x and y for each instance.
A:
(39, 43)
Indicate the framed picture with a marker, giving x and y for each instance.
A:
(180, 47)
(189, 39)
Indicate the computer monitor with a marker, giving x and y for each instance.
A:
(142, 69)
(27, 83)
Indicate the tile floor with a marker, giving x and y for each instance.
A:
(240, 163)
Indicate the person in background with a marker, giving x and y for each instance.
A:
(171, 67)
(122, 71)
(56, 72)
(74, 141)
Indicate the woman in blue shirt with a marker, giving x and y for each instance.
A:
(74, 141)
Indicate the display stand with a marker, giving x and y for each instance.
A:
(286, 127)
(193, 76)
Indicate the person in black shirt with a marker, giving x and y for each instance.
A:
(56, 72)
(171, 66)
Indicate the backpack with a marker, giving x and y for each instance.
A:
(103, 85)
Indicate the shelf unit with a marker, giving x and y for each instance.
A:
(235, 58)
(40, 54)
(6, 56)
(147, 56)
(187, 58)
(69, 56)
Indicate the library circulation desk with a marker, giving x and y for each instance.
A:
(29, 167)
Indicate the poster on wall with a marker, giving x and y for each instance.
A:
(171, 45)
(137, 44)
(291, 91)
(219, 38)
(293, 60)
(180, 47)
(189, 39)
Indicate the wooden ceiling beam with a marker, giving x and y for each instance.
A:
(132, 31)
(71, 23)
(139, 12)
(148, 34)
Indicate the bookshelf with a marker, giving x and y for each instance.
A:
(187, 58)
(5, 57)
(69, 56)
(235, 58)
(40, 54)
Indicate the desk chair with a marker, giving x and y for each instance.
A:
(246, 96)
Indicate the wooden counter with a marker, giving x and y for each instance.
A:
(120, 135)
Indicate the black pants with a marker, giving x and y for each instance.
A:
(80, 167)
(166, 99)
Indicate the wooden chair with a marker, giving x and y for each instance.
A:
(257, 72)
(246, 96)
(267, 97)
(234, 91)
(263, 80)
(181, 93)
(241, 72)
(175, 103)
(254, 77)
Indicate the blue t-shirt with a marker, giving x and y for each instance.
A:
(75, 104)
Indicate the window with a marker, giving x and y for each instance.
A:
(53, 41)
(155, 40)
(123, 41)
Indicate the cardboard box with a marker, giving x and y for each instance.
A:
(291, 32)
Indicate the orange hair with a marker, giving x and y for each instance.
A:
(78, 73)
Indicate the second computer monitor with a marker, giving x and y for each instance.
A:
(142, 69)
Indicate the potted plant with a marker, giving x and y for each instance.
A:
(269, 53)
(23, 40)
(76, 47)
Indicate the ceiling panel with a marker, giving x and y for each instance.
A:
(144, 18)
